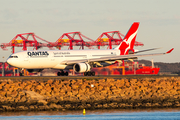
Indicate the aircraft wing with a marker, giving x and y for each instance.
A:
(146, 50)
(121, 57)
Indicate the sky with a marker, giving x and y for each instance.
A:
(49, 19)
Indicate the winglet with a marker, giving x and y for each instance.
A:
(170, 51)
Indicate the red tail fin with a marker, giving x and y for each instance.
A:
(128, 42)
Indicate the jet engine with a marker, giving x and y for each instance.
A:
(34, 70)
(81, 67)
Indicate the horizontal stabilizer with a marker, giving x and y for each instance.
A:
(146, 50)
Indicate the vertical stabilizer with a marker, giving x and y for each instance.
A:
(128, 42)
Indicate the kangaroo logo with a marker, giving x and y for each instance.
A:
(127, 44)
(129, 40)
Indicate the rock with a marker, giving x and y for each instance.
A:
(6, 108)
(74, 86)
(34, 95)
(50, 81)
(21, 108)
(28, 87)
(53, 106)
(31, 107)
(41, 102)
(79, 94)
(39, 87)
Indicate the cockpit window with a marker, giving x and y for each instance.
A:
(13, 56)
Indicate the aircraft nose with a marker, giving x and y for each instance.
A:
(13, 60)
(9, 61)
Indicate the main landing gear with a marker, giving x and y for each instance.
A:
(89, 73)
(62, 73)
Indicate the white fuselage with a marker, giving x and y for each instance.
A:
(53, 58)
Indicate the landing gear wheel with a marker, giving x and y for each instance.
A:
(93, 73)
(85, 73)
(89, 73)
(66, 73)
(58, 74)
(62, 73)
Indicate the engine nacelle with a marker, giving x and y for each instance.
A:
(81, 67)
(34, 70)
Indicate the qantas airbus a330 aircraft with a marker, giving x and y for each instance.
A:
(79, 60)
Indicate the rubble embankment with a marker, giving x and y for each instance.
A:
(70, 94)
